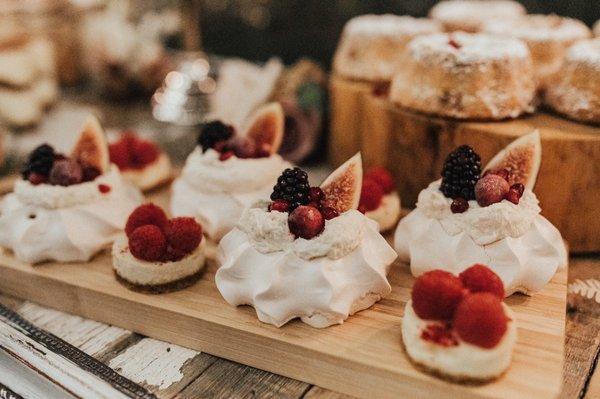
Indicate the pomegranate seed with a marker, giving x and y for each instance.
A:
(316, 195)
(329, 213)
(503, 173)
(519, 187)
(513, 196)
(459, 205)
(103, 188)
(226, 155)
(279, 206)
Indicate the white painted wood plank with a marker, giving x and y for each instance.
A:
(153, 363)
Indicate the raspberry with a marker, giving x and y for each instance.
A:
(306, 222)
(184, 235)
(383, 177)
(491, 189)
(119, 154)
(133, 152)
(143, 152)
(480, 320)
(436, 294)
(439, 334)
(65, 172)
(371, 195)
(148, 243)
(480, 278)
(292, 186)
(146, 214)
(460, 173)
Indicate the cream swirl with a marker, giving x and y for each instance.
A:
(269, 232)
(484, 225)
(206, 172)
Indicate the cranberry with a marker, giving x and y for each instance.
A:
(279, 206)
(226, 155)
(316, 195)
(306, 222)
(104, 188)
(37, 178)
(459, 205)
(329, 213)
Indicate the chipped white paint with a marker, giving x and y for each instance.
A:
(90, 336)
(153, 363)
(589, 288)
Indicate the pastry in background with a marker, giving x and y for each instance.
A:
(472, 15)
(379, 199)
(596, 29)
(230, 170)
(575, 90)
(372, 45)
(465, 76)
(547, 36)
(307, 253)
(156, 254)
(458, 328)
(492, 218)
(141, 161)
(67, 208)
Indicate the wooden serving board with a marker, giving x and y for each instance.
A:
(363, 357)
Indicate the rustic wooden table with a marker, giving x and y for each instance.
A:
(169, 371)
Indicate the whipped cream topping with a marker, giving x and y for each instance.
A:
(389, 25)
(540, 28)
(473, 49)
(269, 232)
(464, 361)
(66, 224)
(321, 282)
(476, 10)
(217, 192)
(484, 225)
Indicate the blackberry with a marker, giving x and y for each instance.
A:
(40, 161)
(213, 133)
(460, 173)
(292, 186)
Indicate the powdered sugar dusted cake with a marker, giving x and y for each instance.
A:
(371, 44)
(465, 76)
(471, 15)
(547, 36)
(575, 90)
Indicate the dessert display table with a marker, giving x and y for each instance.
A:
(567, 184)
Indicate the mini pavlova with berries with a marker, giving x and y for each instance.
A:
(227, 173)
(378, 199)
(308, 253)
(67, 208)
(157, 254)
(458, 328)
(466, 218)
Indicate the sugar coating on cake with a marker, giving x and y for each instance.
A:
(541, 28)
(466, 76)
(469, 15)
(586, 52)
(371, 44)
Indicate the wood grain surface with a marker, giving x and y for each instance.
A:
(414, 146)
(362, 357)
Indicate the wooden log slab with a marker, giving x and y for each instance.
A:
(413, 146)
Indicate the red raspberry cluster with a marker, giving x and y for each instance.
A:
(155, 238)
(469, 305)
(377, 182)
(132, 152)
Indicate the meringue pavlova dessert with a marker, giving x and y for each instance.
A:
(457, 327)
(157, 255)
(308, 254)
(493, 219)
(378, 199)
(67, 208)
(226, 174)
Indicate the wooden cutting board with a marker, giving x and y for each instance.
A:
(363, 357)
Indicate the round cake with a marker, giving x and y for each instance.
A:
(371, 44)
(471, 15)
(465, 76)
(575, 90)
(547, 36)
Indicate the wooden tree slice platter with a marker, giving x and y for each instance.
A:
(414, 146)
(363, 357)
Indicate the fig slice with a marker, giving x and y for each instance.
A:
(342, 188)
(522, 158)
(91, 149)
(266, 126)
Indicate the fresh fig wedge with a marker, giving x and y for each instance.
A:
(91, 149)
(342, 188)
(266, 127)
(522, 158)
